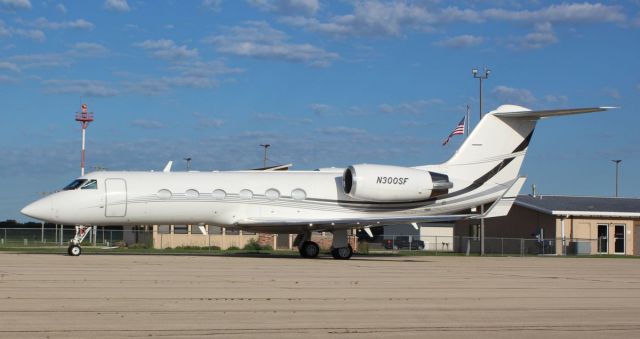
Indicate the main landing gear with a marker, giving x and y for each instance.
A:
(340, 248)
(74, 248)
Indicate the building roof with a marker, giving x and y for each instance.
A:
(581, 206)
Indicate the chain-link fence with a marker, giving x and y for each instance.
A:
(434, 244)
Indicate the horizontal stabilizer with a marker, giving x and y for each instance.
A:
(512, 111)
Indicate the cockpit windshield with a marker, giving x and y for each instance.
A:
(90, 185)
(74, 184)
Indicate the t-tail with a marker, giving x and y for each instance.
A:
(493, 153)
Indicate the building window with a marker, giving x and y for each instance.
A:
(164, 229)
(180, 229)
(215, 229)
(195, 229)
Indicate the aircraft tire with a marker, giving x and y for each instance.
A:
(309, 249)
(74, 250)
(342, 253)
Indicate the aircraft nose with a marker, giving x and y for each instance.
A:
(40, 209)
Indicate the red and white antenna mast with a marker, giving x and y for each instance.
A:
(84, 118)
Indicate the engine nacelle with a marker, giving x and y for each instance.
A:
(385, 183)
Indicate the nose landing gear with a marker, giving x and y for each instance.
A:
(74, 248)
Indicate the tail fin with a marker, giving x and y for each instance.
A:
(497, 146)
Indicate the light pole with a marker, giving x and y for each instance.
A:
(264, 162)
(188, 160)
(481, 77)
(617, 161)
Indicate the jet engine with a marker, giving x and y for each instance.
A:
(384, 183)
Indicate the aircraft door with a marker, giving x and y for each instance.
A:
(116, 197)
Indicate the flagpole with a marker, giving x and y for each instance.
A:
(466, 130)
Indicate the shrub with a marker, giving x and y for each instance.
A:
(233, 248)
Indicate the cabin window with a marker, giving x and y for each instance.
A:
(298, 194)
(272, 194)
(164, 194)
(218, 194)
(246, 194)
(192, 194)
(90, 185)
(74, 184)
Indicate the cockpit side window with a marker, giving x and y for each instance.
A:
(74, 184)
(90, 185)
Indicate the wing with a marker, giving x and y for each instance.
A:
(280, 225)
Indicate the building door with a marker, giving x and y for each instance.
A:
(603, 238)
(116, 190)
(619, 239)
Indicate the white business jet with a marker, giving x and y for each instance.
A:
(483, 171)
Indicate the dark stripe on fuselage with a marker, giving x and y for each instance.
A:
(429, 201)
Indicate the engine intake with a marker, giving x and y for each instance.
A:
(384, 183)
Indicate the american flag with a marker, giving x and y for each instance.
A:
(458, 130)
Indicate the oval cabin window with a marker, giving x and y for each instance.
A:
(272, 194)
(191, 194)
(298, 194)
(164, 194)
(246, 194)
(218, 194)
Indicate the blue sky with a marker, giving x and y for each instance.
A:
(326, 83)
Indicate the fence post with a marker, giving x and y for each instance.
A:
(502, 247)
(436, 245)
(522, 247)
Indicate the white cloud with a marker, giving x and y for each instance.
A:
(117, 5)
(205, 68)
(342, 130)
(369, 18)
(460, 41)
(167, 49)
(414, 107)
(319, 109)
(13, 5)
(207, 122)
(33, 34)
(89, 88)
(510, 95)
(47, 60)
(556, 99)
(288, 7)
(563, 13)
(43, 23)
(146, 124)
(9, 66)
(214, 5)
(381, 18)
(612, 92)
(260, 40)
(61, 8)
(90, 49)
(542, 36)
